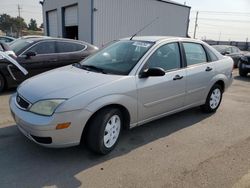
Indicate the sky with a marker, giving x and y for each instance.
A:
(220, 19)
(217, 19)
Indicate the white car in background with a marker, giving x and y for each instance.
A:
(126, 84)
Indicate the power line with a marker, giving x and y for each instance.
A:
(216, 12)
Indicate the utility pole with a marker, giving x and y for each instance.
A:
(196, 23)
(19, 10)
(219, 36)
(19, 16)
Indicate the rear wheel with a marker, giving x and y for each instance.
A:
(104, 130)
(213, 99)
(2, 83)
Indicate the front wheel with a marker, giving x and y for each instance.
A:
(213, 99)
(104, 130)
(241, 70)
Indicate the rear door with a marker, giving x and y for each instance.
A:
(159, 95)
(70, 52)
(199, 72)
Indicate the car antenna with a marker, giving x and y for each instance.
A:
(144, 28)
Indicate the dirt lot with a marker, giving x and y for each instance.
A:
(189, 149)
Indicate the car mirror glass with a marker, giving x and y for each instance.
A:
(152, 72)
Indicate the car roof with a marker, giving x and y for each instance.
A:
(161, 38)
(35, 38)
(223, 46)
(7, 37)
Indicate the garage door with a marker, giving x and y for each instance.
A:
(52, 23)
(71, 16)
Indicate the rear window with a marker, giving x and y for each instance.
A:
(212, 56)
(64, 47)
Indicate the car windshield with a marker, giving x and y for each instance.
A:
(118, 58)
(19, 44)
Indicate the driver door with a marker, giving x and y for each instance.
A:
(42, 59)
(160, 95)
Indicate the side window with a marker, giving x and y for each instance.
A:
(47, 47)
(64, 47)
(211, 54)
(166, 57)
(235, 50)
(195, 53)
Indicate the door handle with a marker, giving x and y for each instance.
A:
(209, 69)
(177, 77)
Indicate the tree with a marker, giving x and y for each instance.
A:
(32, 25)
(5, 22)
(18, 25)
(41, 26)
(11, 25)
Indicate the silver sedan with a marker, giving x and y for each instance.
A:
(126, 84)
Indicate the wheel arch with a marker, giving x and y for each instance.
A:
(123, 110)
(220, 83)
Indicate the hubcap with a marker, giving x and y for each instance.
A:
(112, 131)
(215, 98)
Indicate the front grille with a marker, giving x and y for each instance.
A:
(22, 103)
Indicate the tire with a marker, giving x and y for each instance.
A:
(2, 83)
(213, 99)
(241, 71)
(104, 131)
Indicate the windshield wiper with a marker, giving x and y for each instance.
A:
(93, 68)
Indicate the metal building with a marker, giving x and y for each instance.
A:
(101, 21)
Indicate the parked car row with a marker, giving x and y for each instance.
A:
(244, 66)
(232, 51)
(128, 83)
(39, 54)
(241, 59)
(6, 39)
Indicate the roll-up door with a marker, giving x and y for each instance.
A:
(71, 16)
(52, 23)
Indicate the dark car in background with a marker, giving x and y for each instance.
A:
(244, 65)
(232, 51)
(40, 54)
(6, 39)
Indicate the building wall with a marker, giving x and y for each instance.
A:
(84, 19)
(114, 19)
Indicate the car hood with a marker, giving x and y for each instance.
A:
(64, 83)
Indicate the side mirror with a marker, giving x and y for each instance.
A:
(152, 72)
(225, 53)
(30, 54)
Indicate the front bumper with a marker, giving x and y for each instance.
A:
(245, 67)
(42, 129)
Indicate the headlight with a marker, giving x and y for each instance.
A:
(46, 107)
